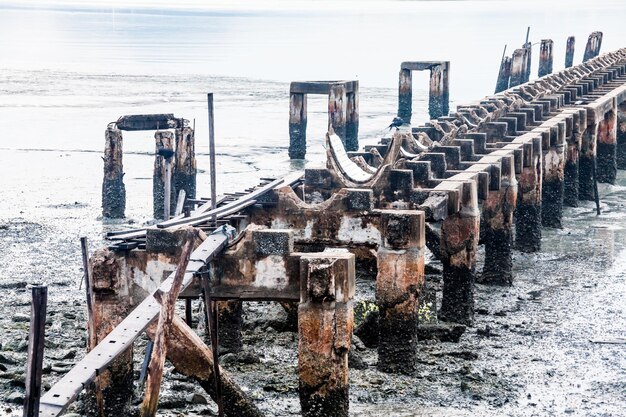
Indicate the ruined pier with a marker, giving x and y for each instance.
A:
(492, 172)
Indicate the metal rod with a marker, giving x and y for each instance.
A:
(168, 189)
(527, 35)
(211, 314)
(35, 350)
(144, 366)
(212, 153)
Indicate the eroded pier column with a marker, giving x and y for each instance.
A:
(164, 146)
(497, 213)
(297, 126)
(572, 158)
(504, 75)
(438, 99)
(325, 325)
(587, 162)
(569, 51)
(518, 67)
(111, 304)
(405, 95)
(400, 261)
(459, 242)
(352, 122)
(113, 189)
(337, 110)
(621, 136)
(594, 42)
(545, 57)
(607, 148)
(553, 177)
(184, 170)
(528, 212)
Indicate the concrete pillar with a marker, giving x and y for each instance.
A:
(528, 212)
(405, 95)
(400, 260)
(439, 95)
(325, 325)
(352, 124)
(230, 321)
(459, 242)
(518, 67)
(164, 146)
(337, 110)
(184, 169)
(607, 148)
(569, 51)
(545, 57)
(572, 157)
(111, 304)
(113, 189)
(587, 162)
(553, 178)
(621, 135)
(297, 126)
(498, 227)
(504, 75)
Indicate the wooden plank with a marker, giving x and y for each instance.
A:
(36, 340)
(56, 400)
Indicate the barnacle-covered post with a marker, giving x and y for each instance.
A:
(459, 243)
(325, 325)
(113, 188)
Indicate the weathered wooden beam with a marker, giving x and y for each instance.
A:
(36, 338)
(184, 169)
(168, 304)
(149, 122)
(504, 75)
(569, 51)
(164, 142)
(594, 42)
(545, 57)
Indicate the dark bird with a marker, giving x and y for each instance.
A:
(397, 122)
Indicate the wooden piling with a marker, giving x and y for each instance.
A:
(518, 67)
(545, 57)
(36, 338)
(400, 278)
(504, 75)
(528, 211)
(352, 123)
(594, 42)
(297, 125)
(438, 98)
(337, 110)
(405, 95)
(168, 304)
(164, 149)
(113, 189)
(553, 178)
(528, 48)
(621, 136)
(607, 148)
(459, 243)
(184, 169)
(497, 214)
(572, 159)
(325, 325)
(569, 51)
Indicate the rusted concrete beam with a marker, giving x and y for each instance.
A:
(528, 211)
(113, 188)
(325, 325)
(459, 242)
(497, 212)
(400, 261)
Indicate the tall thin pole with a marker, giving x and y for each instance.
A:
(212, 155)
(35, 350)
(168, 188)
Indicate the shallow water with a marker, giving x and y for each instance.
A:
(68, 71)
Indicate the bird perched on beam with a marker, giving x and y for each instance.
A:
(396, 122)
